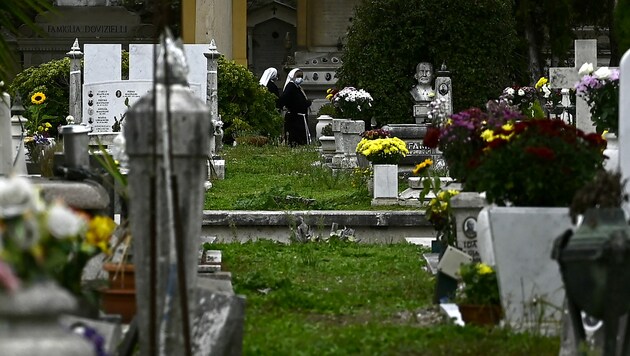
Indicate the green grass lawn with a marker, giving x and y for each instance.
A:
(258, 178)
(352, 299)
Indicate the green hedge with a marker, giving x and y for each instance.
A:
(475, 39)
(244, 105)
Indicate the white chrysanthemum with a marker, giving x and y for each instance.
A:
(510, 91)
(602, 73)
(63, 222)
(16, 195)
(521, 92)
(586, 68)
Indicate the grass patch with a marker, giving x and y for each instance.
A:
(352, 299)
(261, 178)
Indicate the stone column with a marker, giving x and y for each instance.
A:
(167, 148)
(212, 101)
(75, 56)
(6, 149)
(444, 88)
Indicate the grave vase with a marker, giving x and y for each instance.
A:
(612, 152)
(322, 121)
(521, 241)
(29, 322)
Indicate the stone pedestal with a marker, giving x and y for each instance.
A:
(466, 207)
(29, 323)
(386, 181)
(17, 142)
(347, 136)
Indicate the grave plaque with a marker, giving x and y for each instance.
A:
(105, 104)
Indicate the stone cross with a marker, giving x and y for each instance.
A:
(624, 121)
(566, 77)
(75, 56)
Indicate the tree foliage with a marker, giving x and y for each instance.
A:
(244, 104)
(13, 13)
(622, 26)
(389, 37)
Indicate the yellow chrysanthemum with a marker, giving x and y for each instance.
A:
(47, 125)
(38, 98)
(542, 81)
(508, 127)
(483, 268)
(453, 192)
(604, 134)
(99, 232)
(487, 135)
(421, 166)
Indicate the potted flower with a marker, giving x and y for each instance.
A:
(37, 130)
(384, 153)
(459, 138)
(351, 103)
(538, 163)
(477, 296)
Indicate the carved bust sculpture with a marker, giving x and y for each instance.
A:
(421, 92)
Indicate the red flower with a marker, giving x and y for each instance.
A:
(541, 152)
(432, 137)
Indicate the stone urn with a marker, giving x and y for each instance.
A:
(322, 121)
(29, 322)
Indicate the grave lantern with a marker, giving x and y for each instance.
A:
(594, 262)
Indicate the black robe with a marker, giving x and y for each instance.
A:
(294, 99)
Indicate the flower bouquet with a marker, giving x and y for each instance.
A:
(479, 285)
(538, 162)
(438, 211)
(523, 99)
(37, 128)
(40, 241)
(459, 139)
(388, 150)
(351, 103)
(600, 89)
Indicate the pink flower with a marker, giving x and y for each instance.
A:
(8, 280)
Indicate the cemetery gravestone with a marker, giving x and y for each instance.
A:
(624, 122)
(106, 97)
(585, 52)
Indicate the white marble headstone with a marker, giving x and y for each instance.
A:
(106, 97)
(624, 121)
(532, 292)
(141, 64)
(102, 63)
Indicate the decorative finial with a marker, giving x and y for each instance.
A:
(212, 53)
(172, 60)
(75, 50)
